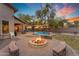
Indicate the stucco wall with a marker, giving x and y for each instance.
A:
(0, 27)
(6, 13)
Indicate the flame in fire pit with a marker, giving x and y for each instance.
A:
(38, 39)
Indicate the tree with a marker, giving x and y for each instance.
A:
(76, 23)
(53, 24)
(50, 13)
(56, 23)
(43, 13)
(46, 13)
(61, 24)
(39, 14)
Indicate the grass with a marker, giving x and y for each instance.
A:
(73, 41)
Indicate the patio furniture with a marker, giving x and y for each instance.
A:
(13, 49)
(59, 49)
(23, 31)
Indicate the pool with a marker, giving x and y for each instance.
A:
(41, 33)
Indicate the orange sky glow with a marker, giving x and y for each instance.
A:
(66, 10)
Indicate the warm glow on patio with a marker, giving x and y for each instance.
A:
(38, 41)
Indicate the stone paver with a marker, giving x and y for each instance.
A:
(26, 50)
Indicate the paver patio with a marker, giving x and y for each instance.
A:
(26, 50)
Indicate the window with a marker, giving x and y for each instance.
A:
(5, 26)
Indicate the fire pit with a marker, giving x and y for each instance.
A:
(38, 42)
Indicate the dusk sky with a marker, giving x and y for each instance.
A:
(66, 10)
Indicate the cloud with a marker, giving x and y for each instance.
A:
(66, 10)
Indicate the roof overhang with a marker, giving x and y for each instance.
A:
(9, 5)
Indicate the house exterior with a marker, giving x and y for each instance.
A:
(7, 20)
(19, 26)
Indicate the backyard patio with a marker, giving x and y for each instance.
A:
(22, 42)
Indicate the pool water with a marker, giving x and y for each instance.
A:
(41, 33)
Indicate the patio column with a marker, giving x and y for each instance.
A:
(23, 26)
(0, 26)
(11, 25)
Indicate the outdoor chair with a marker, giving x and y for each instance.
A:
(60, 49)
(13, 49)
(23, 31)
